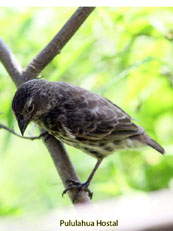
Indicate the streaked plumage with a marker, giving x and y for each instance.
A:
(78, 117)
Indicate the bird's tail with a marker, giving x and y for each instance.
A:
(155, 145)
(144, 138)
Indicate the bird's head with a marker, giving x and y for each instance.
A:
(29, 103)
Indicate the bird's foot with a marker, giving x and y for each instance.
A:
(79, 186)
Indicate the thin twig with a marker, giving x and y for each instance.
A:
(2, 126)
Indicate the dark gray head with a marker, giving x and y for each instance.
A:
(30, 102)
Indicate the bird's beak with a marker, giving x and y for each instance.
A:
(22, 125)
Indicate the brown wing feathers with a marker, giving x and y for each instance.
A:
(100, 119)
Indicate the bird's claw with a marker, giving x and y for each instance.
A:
(79, 186)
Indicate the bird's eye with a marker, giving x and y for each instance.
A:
(29, 108)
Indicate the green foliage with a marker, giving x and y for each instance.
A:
(124, 54)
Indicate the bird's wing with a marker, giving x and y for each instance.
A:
(93, 117)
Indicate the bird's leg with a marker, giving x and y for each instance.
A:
(82, 186)
(46, 135)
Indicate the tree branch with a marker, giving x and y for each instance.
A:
(64, 167)
(10, 63)
(55, 46)
(55, 147)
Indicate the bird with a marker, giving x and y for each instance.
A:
(80, 118)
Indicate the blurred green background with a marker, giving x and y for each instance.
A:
(126, 55)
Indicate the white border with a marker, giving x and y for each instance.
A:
(76, 3)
